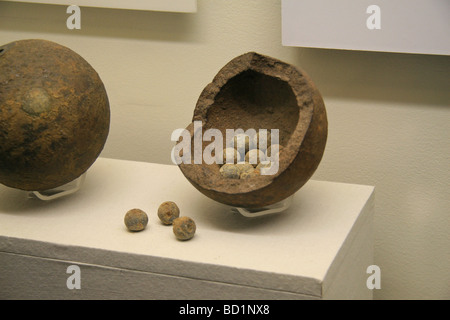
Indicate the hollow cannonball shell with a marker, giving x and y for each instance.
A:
(54, 115)
(254, 91)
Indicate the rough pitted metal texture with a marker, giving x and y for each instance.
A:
(54, 115)
(260, 92)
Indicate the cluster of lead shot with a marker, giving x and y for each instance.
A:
(168, 212)
(245, 167)
(183, 227)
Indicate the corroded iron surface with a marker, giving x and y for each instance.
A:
(260, 92)
(54, 115)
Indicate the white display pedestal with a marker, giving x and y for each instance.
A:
(319, 248)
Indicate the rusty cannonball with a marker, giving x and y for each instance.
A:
(54, 115)
(254, 91)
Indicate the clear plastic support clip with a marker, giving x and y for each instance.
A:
(62, 191)
(275, 208)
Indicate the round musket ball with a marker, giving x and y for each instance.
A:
(263, 164)
(250, 174)
(168, 211)
(242, 142)
(254, 157)
(136, 220)
(265, 167)
(184, 228)
(231, 154)
(244, 167)
(54, 115)
(230, 171)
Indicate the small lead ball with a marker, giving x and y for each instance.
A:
(242, 142)
(244, 167)
(136, 220)
(230, 171)
(264, 164)
(231, 155)
(184, 228)
(254, 157)
(168, 211)
(250, 174)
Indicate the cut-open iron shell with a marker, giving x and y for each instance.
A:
(260, 92)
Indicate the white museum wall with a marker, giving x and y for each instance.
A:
(388, 113)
